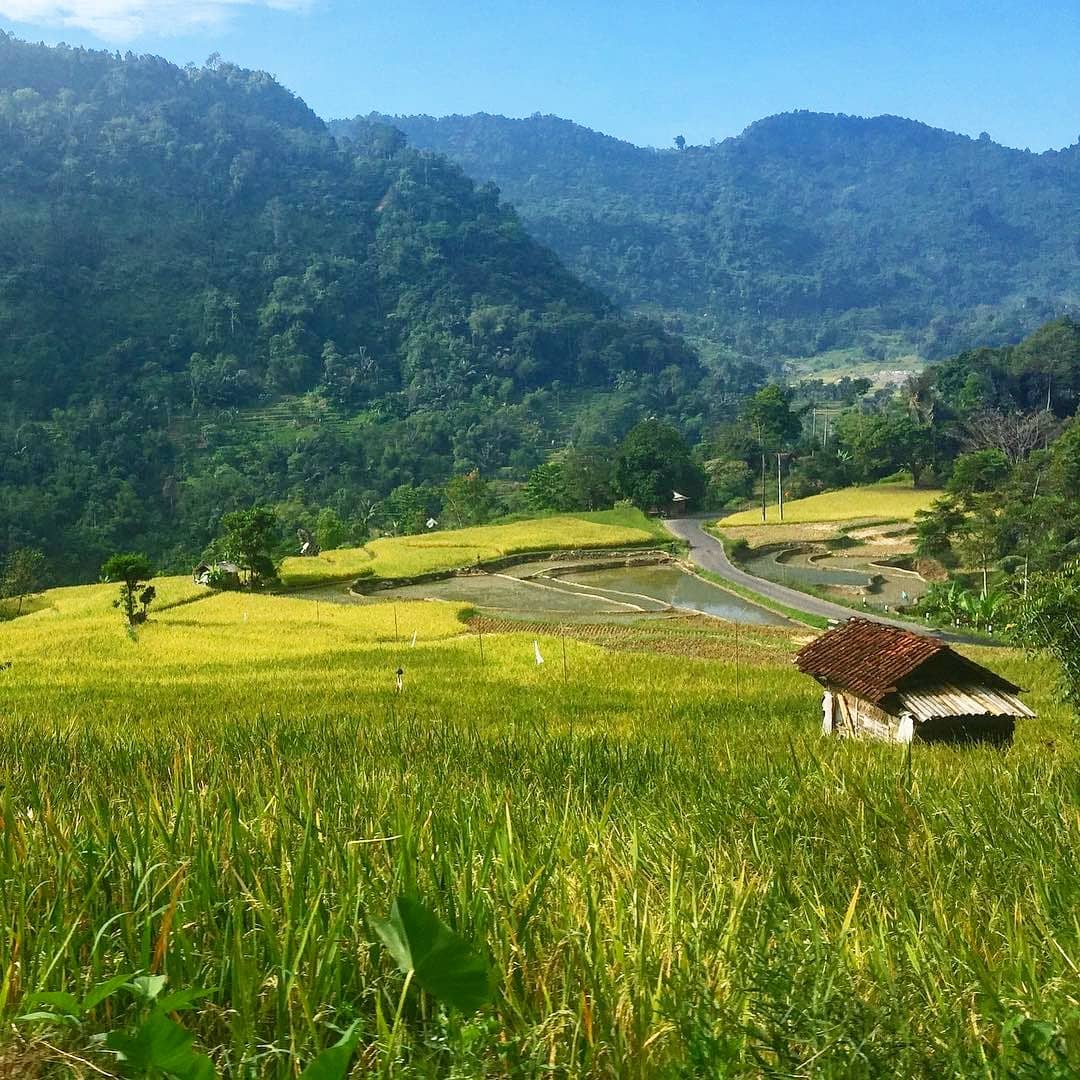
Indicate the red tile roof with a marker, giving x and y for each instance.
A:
(871, 659)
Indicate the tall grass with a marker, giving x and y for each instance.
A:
(672, 878)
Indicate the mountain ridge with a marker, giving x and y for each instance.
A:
(806, 232)
(184, 248)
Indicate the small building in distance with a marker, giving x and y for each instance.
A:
(221, 575)
(882, 682)
(678, 504)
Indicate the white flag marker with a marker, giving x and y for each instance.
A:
(536, 650)
(413, 645)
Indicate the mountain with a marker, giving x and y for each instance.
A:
(807, 232)
(207, 301)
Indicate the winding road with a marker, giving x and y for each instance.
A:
(708, 553)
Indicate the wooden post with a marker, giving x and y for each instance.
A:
(397, 636)
(565, 673)
(480, 635)
(738, 690)
(779, 486)
(762, 487)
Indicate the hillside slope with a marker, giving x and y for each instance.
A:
(807, 232)
(206, 301)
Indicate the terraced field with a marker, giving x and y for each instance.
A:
(635, 827)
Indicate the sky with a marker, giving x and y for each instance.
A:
(642, 71)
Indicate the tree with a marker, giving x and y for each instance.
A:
(406, 509)
(728, 480)
(980, 539)
(680, 142)
(882, 442)
(572, 480)
(1013, 433)
(330, 530)
(132, 570)
(1047, 619)
(771, 419)
(468, 500)
(979, 471)
(546, 487)
(935, 528)
(653, 462)
(248, 541)
(21, 577)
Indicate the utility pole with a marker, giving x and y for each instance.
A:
(813, 428)
(779, 485)
(762, 487)
(825, 437)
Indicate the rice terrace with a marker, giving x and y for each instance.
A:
(639, 837)
(521, 597)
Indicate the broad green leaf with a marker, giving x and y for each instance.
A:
(104, 990)
(160, 1044)
(148, 987)
(333, 1062)
(49, 1017)
(1035, 1036)
(58, 1001)
(442, 962)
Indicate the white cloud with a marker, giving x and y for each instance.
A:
(125, 20)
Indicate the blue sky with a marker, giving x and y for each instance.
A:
(641, 71)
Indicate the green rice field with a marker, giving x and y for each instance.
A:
(881, 502)
(668, 870)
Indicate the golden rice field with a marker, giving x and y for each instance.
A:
(670, 872)
(879, 502)
(408, 556)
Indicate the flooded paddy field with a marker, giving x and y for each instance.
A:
(564, 591)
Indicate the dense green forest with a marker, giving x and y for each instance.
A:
(808, 232)
(207, 302)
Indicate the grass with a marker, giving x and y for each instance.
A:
(671, 872)
(881, 502)
(409, 556)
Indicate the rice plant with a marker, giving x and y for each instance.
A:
(666, 869)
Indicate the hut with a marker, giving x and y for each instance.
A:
(222, 575)
(677, 506)
(883, 682)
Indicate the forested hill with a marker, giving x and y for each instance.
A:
(206, 301)
(807, 232)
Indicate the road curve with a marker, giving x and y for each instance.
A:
(708, 553)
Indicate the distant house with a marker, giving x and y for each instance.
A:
(678, 504)
(882, 682)
(222, 575)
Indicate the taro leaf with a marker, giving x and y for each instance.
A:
(104, 990)
(1035, 1036)
(66, 1005)
(160, 1045)
(147, 987)
(442, 962)
(333, 1062)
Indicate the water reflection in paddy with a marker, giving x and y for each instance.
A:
(670, 585)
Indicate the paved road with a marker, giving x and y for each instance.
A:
(708, 553)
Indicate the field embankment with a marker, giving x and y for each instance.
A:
(411, 556)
